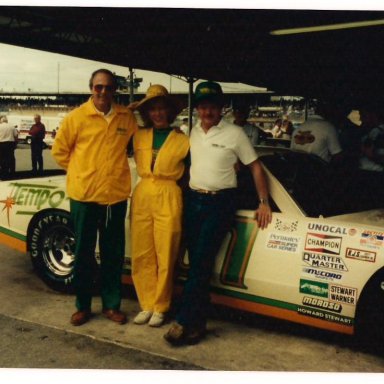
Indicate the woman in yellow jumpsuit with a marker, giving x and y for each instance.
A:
(160, 154)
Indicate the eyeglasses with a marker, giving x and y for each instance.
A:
(99, 88)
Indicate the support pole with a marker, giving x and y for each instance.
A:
(131, 98)
(190, 81)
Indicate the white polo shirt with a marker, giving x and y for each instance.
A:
(316, 136)
(214, 154)
(7, 132)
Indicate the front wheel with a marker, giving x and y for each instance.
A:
(51, 241)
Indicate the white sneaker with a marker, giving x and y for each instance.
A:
(142, 317)
(157, 319)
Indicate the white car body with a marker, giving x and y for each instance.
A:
(310, 270)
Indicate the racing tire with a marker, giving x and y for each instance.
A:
(51, 243)
(370, 310)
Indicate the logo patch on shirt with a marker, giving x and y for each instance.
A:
(121, 131)
(218, 145)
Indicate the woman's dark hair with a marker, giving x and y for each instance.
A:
(107, 72)
(144, 111)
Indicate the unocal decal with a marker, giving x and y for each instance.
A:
(327, 228)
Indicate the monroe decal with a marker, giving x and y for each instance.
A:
(324, 261)
(323, 243)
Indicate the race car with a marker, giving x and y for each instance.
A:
(320, 262)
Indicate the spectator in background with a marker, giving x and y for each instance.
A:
(372, 144)
(8, 138)
(318, 136)
(276, 127)
(241, 114)
(37, 133)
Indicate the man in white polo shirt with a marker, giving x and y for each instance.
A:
(215, 147)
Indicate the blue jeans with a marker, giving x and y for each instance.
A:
(207, 220)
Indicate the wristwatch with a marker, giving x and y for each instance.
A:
(263, 201)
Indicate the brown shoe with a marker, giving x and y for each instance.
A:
(115, 315)
(176, 334)
(195, 335)
(80, 317)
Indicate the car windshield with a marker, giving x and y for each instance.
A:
(321, 189)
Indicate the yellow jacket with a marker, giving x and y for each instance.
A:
(93, 151)
(169, 162)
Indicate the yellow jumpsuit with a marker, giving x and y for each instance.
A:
(156, 218)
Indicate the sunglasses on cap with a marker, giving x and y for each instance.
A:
(99, 88)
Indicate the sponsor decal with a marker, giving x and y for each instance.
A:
(333, 317)
(286, 226)
(314, 288)
(372, 239)
(323, 243)
(321, 274)
(283, 242)
(331, 262)
(320, 303)
(304, 137)
(327, 228)
(121, 131)
(343, 294)
(359, 254)
(8, 203)
(29, 198)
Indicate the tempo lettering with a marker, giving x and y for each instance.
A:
(29, 195)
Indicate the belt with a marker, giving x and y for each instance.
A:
(207, 192)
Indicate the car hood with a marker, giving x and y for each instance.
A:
(373, 217)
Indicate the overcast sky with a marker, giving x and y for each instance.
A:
(23, 69)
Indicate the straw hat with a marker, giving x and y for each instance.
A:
(159, 91)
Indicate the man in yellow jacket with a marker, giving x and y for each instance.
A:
(91, 145)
